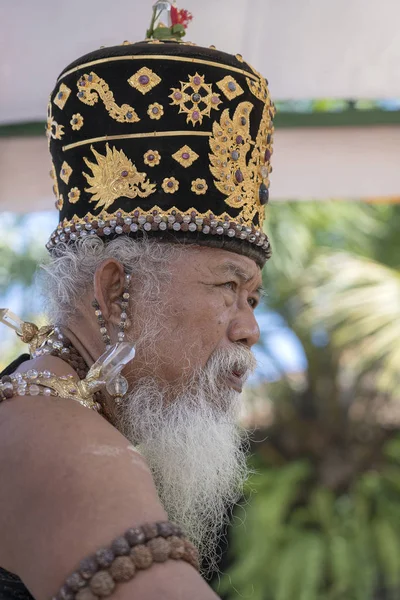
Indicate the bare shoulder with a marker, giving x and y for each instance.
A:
(70, 483)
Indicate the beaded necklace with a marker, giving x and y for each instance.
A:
(34, 382)
(57, 344)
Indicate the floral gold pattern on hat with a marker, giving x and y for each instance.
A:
(62, 96)
(91, 87)
(152, 158)
(65, 172)
(155, 111)
(230, 87)
(199, 186)
(114, 175)
(76, 122)
(195, 98)
(144, 80)
(74, 195)
(170, 185)
(185, 156)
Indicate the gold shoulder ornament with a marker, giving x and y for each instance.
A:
(103, 373)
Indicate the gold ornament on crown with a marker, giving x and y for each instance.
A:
(53, 129)
(238, 174)
(62, 96)
(115, 176)
(195, 98)
(262, 152)
(91, 87)
(230, 143)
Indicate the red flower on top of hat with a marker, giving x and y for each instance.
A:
(180, 16)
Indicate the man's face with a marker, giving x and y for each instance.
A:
(208, 305)
(193, 337)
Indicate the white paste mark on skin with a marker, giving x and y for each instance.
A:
(114, 451)
(138, 459)
(104, 450)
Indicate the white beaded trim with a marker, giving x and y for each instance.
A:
(155, 221)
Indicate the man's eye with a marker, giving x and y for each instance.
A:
(232, 285)
(253, 302)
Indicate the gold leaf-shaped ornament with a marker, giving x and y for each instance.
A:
(230, 145)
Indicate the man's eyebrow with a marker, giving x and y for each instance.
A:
(232, 269)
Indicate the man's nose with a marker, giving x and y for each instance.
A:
(244, 328)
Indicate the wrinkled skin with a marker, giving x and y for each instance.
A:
(209, 304)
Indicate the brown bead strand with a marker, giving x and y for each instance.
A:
(8, 393)
(138, 549)
(124, 307)
(63, 348)
(102, 324)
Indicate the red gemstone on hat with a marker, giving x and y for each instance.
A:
(215, 99)
(239, 139)
(144, 80)
(197, 80)
(267, 156)
(186, 155)
(178, 96)
(124, 174)
(196, 115)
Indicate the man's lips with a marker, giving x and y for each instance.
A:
(235, 380)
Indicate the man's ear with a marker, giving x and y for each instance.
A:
(109, 285)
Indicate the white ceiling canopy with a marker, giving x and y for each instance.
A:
(306, 48)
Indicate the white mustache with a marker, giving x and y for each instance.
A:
(237, 359)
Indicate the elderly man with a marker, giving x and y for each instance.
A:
(161, 156)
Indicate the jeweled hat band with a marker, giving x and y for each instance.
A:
(161, 137)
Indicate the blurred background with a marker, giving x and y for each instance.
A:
(321, 515)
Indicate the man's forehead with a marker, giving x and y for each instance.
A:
(229, 263)
(243, 271)
(218, 262)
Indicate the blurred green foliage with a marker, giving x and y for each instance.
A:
(322, 521)
(19, 257)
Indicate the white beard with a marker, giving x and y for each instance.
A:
(193, 446)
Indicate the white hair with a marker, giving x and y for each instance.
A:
(186, 430)
(192, 444)
(69, 274)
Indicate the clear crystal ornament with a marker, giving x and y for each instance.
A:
(106, 370)
(11, 320)
(32, 374)
(162, 12)
(118, 386)
(113, 360)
